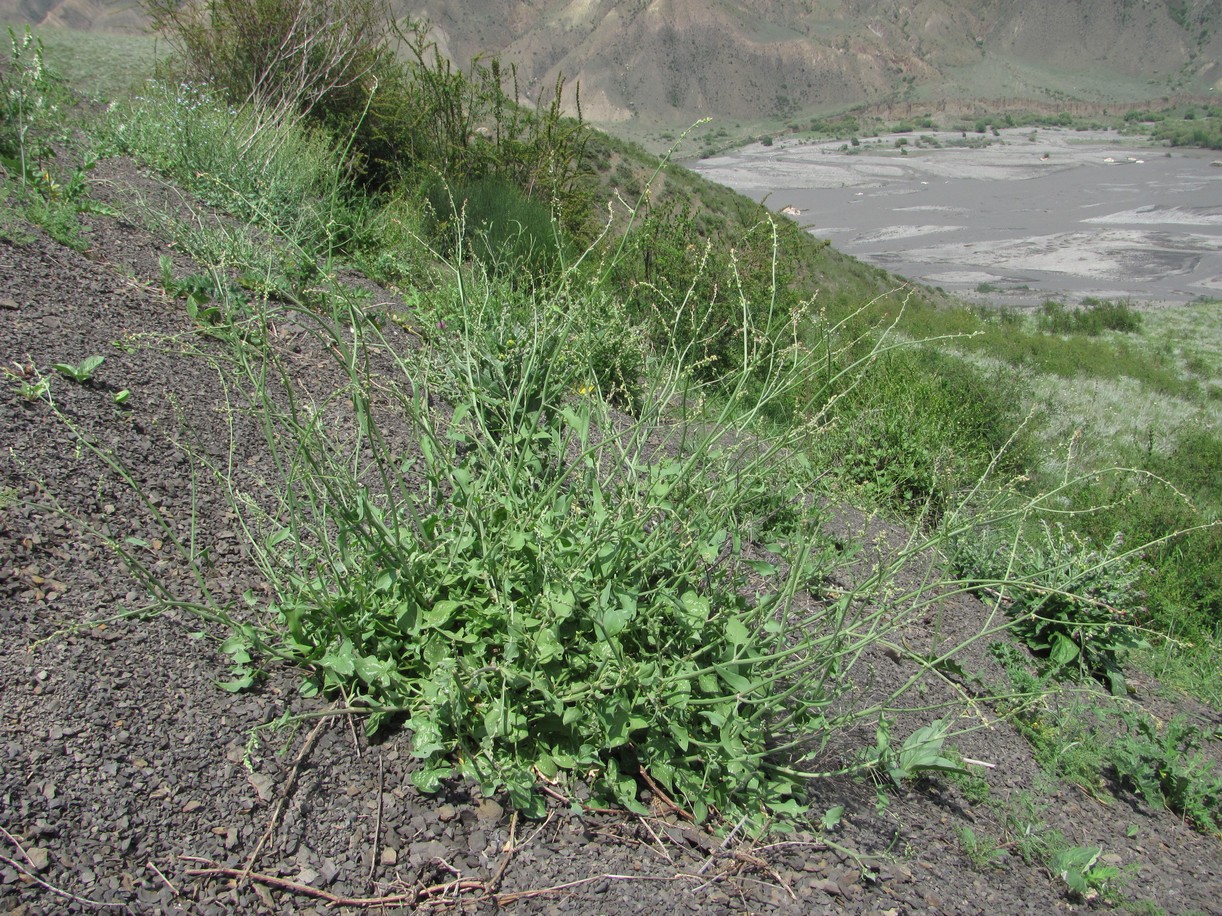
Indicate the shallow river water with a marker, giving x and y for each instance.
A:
(1068, 214)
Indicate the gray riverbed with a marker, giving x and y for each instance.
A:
(1068, 214)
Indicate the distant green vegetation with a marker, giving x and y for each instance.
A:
(1199, 126)
(1092, 319)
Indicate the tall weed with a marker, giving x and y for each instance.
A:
(468, 540)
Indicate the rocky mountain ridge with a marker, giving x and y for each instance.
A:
(668, 62)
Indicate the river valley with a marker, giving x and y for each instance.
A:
(1034, 214)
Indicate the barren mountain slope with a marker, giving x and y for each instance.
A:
(672, 61)
(114, 15)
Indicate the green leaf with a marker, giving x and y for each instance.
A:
(238, 684)
(696, 609)
(1063, 650)
(762, 567)
(455, 432)
(831, 817)
(547, 646)
(561, 603)
(623, 786)
(520, 786)
(923, 751)
(616, 724)
(1115, 681)
(91, 364)
(428, 779)
(237, 647)
(710, 550)
(440, 613)
(736, 632)
(426, 737)
(736, 681)
(340, 661)
(680, 734)
(615, 619)
(407, 619)
(278, 537)
(579, 422)
(373, 671)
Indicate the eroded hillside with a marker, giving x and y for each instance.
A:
(669, 62)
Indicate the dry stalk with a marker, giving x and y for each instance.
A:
(289, 785)
(413, 897)
(84, 901)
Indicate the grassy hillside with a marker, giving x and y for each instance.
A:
(576, 526)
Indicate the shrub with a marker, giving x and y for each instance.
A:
(309, 56)
(1095, 317)
(919, 427)
(468, 128)
(491, 220)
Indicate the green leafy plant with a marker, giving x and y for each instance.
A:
(30, 106)
(921, 752)
(1095, 317)
(569, 591)
(82, 372)
(275, 174)
(33, 101)
(923, 429)
(982, 851)
(31, 384)
(1079, 868)
(548, 616)
(1168, 768)
(831, 818)
(1072, 603)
